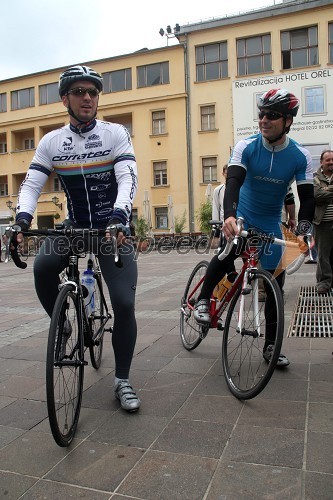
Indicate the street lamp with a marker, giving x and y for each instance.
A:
(9, 204)
(55, 200)
(169, 33)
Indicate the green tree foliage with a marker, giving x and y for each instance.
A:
(180, 222)
(204, 215)
(141, 228)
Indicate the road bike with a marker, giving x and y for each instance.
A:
(246, 320)
(72, 330)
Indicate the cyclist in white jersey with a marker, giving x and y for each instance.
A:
(95, 163)
(260, 170)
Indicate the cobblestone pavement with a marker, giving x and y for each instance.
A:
(191, 438)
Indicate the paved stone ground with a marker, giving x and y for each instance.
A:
(191, 438)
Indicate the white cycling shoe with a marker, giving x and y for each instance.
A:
(127, 396)
(201, 312)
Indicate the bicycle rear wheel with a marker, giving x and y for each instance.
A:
(191, 333)
(96, 323)
(245, 370)
(65, 367)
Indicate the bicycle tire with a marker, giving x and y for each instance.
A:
(95, 324)
(246, 371)
(65, 367)
(191, 333)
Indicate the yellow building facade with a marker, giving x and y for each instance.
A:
(185, 106)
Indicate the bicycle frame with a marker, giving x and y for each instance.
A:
(73, 278)
(250, 261)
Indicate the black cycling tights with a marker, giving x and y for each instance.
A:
(121, 283)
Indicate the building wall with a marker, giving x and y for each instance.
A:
(235, 97)
(184, 144)
(139, 103)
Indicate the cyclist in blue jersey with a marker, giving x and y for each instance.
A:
(95, 163)
(260, 171)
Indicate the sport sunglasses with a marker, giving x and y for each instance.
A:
(270, 115)
(81, 91)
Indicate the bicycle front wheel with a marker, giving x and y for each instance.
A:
(97, 328)
(65, 367)
(245, 370)
(191, 333)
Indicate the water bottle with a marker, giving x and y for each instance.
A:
(223, 286)
(88, 288)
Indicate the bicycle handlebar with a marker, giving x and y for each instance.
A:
(292, 268)
(12, 232)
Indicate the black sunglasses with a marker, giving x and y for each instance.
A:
(81, 91)
(270, 115)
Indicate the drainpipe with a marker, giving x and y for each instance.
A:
(189, 141)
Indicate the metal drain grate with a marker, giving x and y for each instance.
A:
(313, 316)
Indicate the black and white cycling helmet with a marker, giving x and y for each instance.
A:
(279, 100)
(77, 73)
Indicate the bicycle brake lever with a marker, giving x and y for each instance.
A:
(11, 233)
(113, 233)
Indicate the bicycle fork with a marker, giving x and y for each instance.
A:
(247, 288)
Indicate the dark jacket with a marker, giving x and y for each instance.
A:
(323, 194)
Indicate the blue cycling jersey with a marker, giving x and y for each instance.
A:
(269, 172)
(96, 167)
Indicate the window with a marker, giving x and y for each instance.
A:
(209, 169)
(115, 81)
(23, 98)
(153, 74)
(49, 93)
(315, 151)
(160, 173)
(254, 55)
(3, 147)
(3, 188)
(299, 48)
(28, 144)
(57, 184)
(207, 114)
(161, 218)
(211, 61)
(3, 103)
(330, 43)
(314, 100)
(125, 120)
(158, 125)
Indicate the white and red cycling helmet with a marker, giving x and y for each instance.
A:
(279, 100)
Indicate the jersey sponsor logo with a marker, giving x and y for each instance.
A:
(103, 176)
(269, 179)
(93, 142)
(90, 145)
(100, 187)
(82, 156)
(94, 137)
(67, 145)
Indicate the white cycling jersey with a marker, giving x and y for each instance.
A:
(97, 170)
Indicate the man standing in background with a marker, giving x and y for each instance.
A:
(323, 220)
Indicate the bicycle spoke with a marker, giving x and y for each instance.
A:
(191, 333)
(64, 367)
(245, 369)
